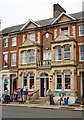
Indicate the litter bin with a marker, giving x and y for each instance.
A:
(51, 100)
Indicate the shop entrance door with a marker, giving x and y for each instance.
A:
(44, 84)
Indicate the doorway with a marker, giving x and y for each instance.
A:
(13, 83)
(44, 84)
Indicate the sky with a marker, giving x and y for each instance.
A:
(15, 12)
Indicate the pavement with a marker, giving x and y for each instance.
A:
(46, 106)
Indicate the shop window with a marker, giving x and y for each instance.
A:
(25, 81)
(5, 83)
(81, 52)
(67, 79)
(59, 80)
(67, 52)
(31, 81)
(58, 53)
(81, 30)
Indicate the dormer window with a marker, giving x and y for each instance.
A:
(64, 30)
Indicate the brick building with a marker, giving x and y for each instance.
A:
(45, 54)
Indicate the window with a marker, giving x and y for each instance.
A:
(13, 59)
(67, 79)
(81, 29)
(59, 80)
(31, 55)
(58, 53)
(5, 85)
(47, 35)
(81, 52)
(64, 30)
(24, 57)
(13, 41)
(6, 59)
(31, 81)
(67, 52)
(24, 81)
(47, 56)
(6, 42)
(32, 37)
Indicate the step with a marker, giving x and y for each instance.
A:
(40, 100)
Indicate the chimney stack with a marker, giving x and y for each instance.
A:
(57, 10)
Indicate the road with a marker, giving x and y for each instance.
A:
(24, 112)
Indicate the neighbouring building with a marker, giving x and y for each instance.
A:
(1, 61)
(45, 54)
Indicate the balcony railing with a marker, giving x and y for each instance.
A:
(43, 63)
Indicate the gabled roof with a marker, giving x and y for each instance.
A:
(27, 23)
(63, 13)
(41, 23)
(11, 29)
(62, 37)
(78, 15)
(27, 43)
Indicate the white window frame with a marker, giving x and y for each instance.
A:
(60, 89)
(80, 53)
(13, 41)
(80, 30)
(47, 55)
(67, 52)
(5, 42)
(57, 53)
(13, 59)
(64, 79)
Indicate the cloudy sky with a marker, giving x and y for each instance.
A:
(14, 12)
